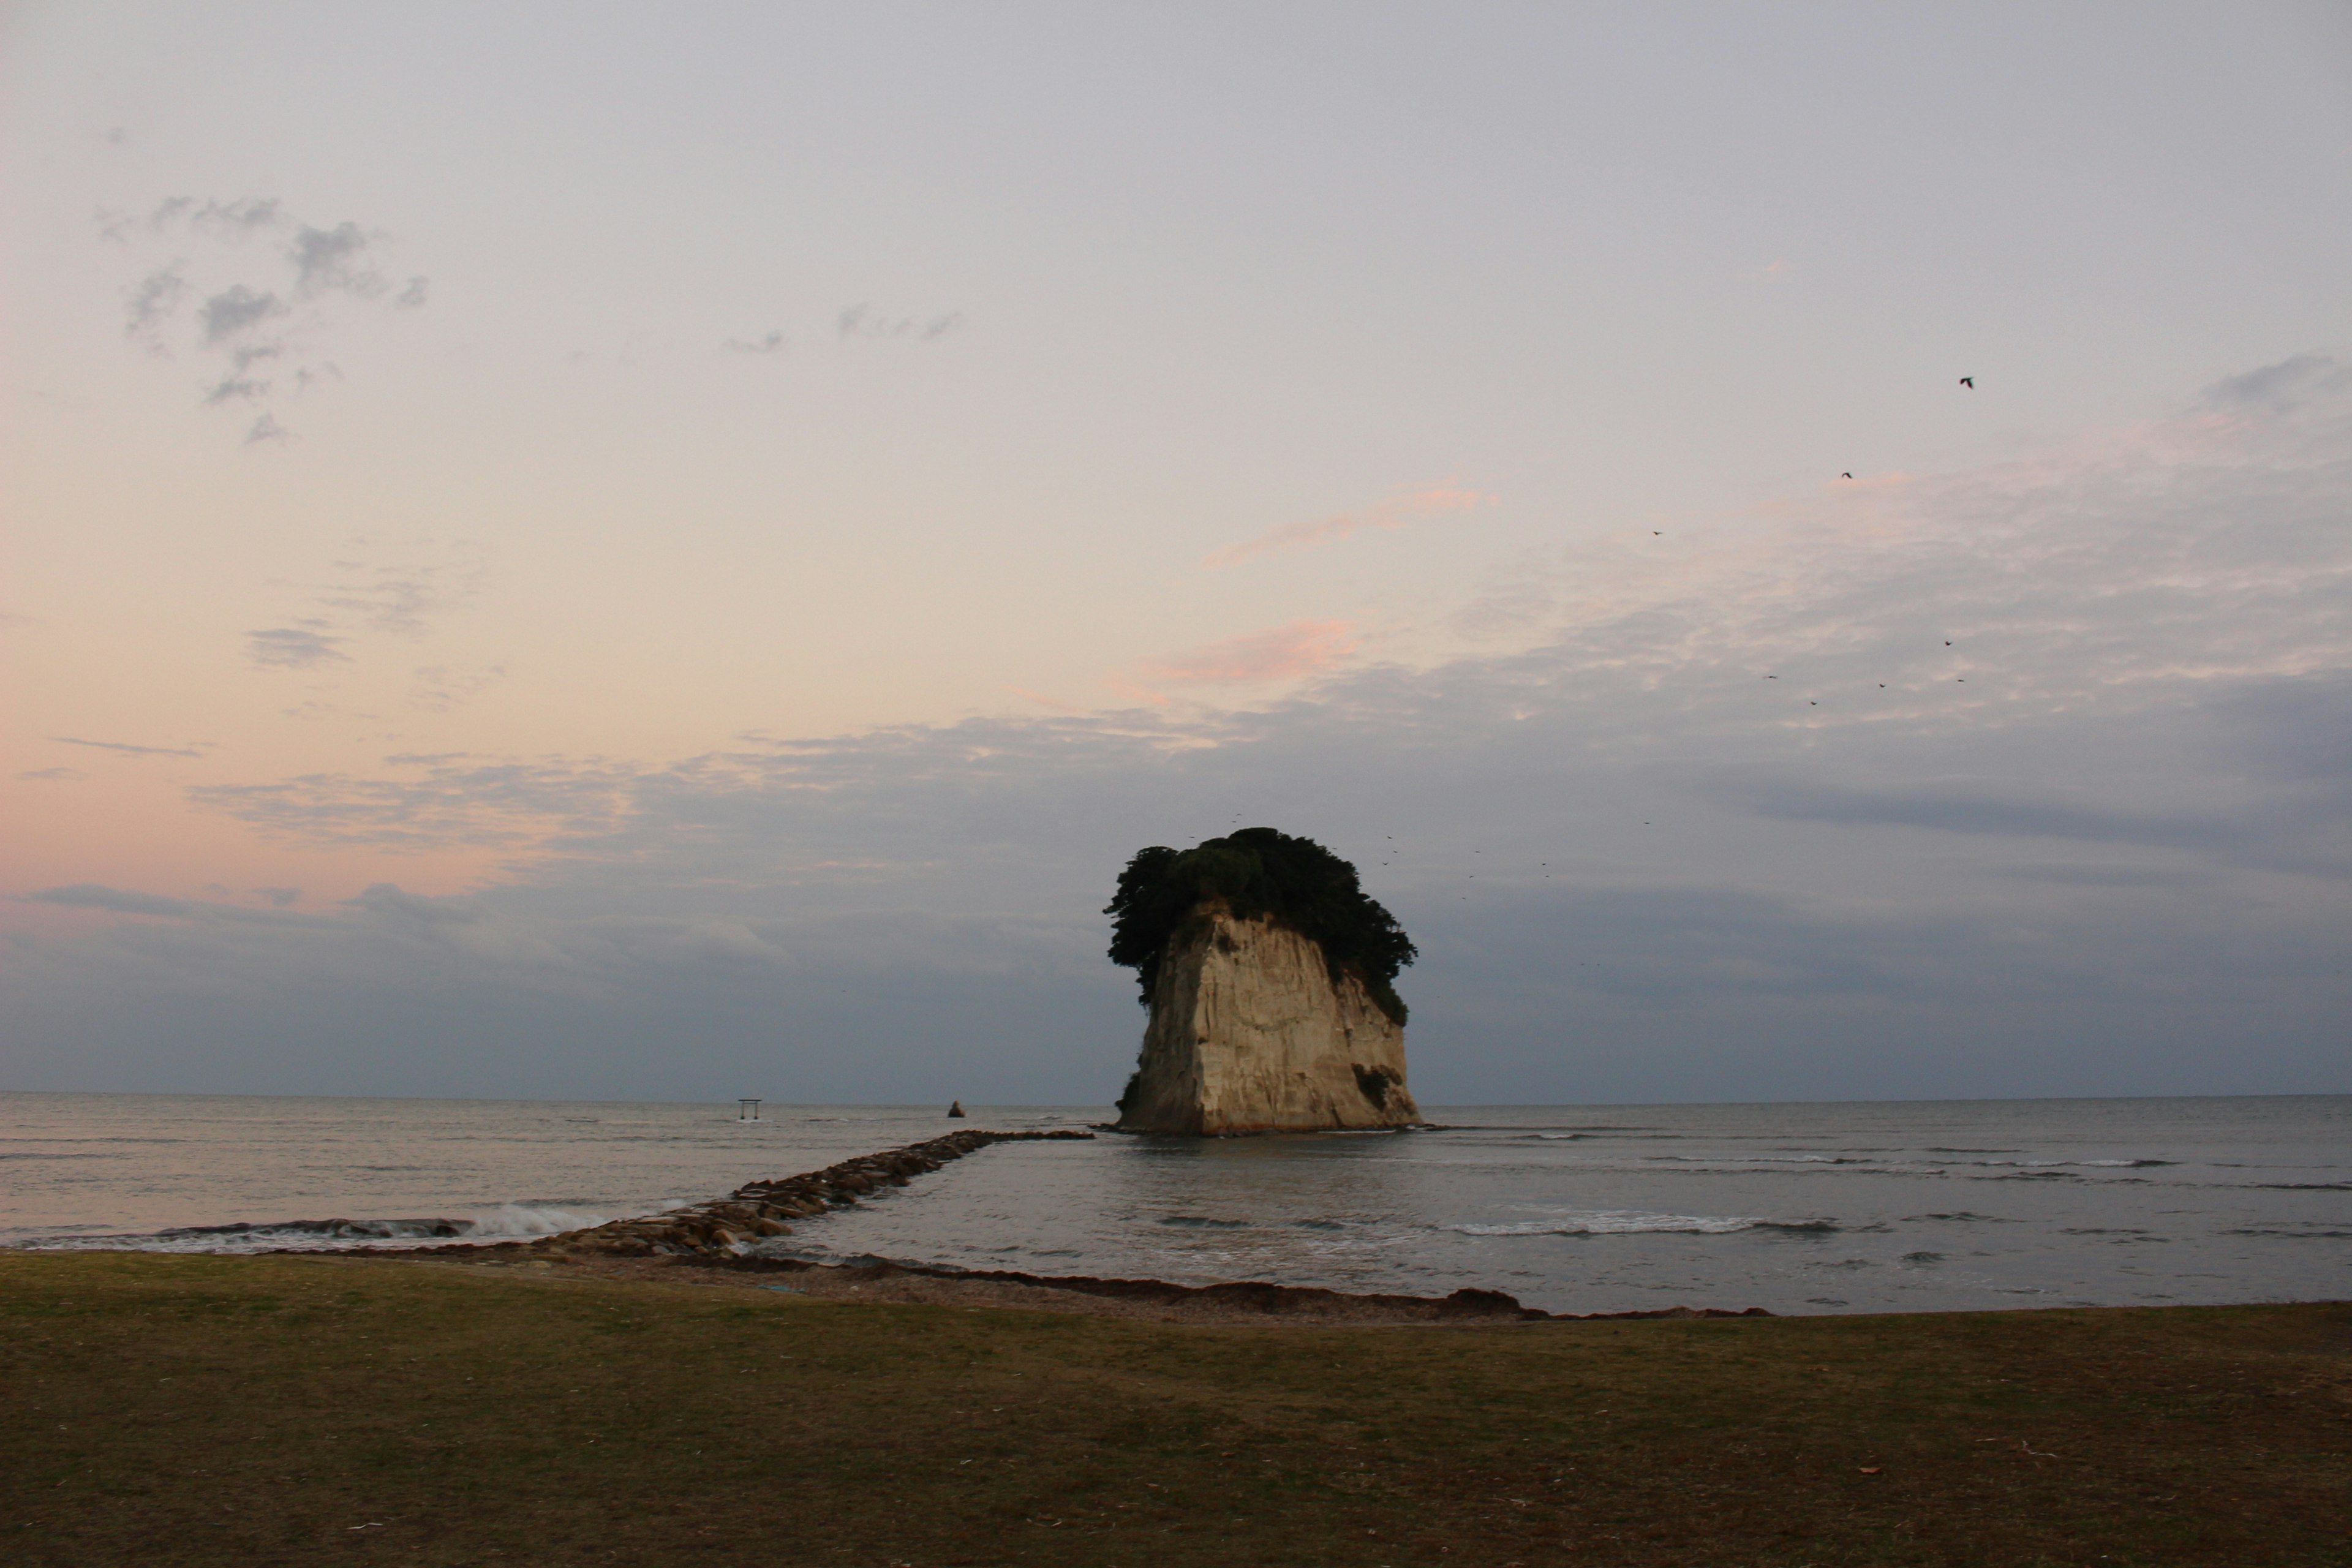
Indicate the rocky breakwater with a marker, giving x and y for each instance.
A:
(725, 1227)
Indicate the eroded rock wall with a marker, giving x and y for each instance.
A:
(1249, 1034)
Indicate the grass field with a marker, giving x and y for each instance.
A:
(192, 1410)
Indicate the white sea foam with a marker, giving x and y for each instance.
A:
(528, 1219)
(1627, 1222)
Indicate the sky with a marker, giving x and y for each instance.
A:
(598, 551)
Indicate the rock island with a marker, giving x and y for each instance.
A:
(1271, 978)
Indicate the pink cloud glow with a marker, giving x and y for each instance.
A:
(1390, 514)
(1282, 653)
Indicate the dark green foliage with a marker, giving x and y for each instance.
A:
(1259, 872)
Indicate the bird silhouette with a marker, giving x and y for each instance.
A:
(1847, 476)
(1969, 382)
(1657, 533)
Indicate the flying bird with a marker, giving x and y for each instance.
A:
(1969, 382)
(1845, 476)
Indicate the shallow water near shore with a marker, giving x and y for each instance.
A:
(1798, 1209)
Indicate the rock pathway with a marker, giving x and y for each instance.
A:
(727, 1226)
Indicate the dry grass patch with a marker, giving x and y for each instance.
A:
(192, 1410)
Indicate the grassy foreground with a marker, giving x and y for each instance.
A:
(170, 1410)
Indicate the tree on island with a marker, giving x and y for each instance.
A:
(1259, 873)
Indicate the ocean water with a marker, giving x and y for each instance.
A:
(1798, 1209)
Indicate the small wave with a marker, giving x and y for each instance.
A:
(2303, 1186)
(1204, 1221)
(506, 1222)
(1964, 1216)
(2295, 1232)
(528, 1219)
(1620, 1222)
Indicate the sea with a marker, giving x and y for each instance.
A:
(1796, 1208)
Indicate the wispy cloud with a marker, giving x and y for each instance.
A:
(774, 342)
(54, 775)
(864, 324)
(1431, 502)
(127, 749)
(438, 687)
(1900, 869)
(400, 593)
(293, 647)
(245, 319)
(125, 901)
(152, 300)
(333, 259)
(1280, 653)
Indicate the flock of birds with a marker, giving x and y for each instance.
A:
(1389, 851)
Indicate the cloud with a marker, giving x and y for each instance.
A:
(1396, 514)
(330, 258)
(1282, 653)
(54, 775)
(129, 750)
(400, 593)
(773, 344)
(2098, 846)
(323, 271)
(293, 647)
(90, 896)
(864, 324)
(404, 595)
(435, 803)
(280, 898)
(2286, 384)
(153, 300)
(237, 310)
(121, 901)
(439, 687)
(245, 216)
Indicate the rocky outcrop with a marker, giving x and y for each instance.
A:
(758, 1210)
(1250, 1032)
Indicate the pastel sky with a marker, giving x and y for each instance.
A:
(620, 552)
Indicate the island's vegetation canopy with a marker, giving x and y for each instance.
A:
(1259, 872)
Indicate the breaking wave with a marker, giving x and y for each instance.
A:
(1623, 1222)
(507, 1222)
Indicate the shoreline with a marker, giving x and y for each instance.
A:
(709, 1242)
(916, 1284)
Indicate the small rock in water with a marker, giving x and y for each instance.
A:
(956, 1107)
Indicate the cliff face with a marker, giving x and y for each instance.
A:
(1248, 1034)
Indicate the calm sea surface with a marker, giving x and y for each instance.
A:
(1798, 1209)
